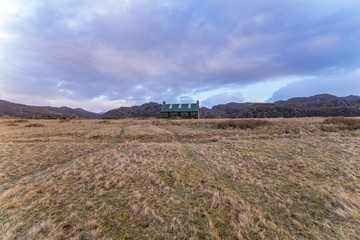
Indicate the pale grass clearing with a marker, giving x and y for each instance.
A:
(178, 179)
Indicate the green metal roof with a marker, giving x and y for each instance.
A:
(183, 107)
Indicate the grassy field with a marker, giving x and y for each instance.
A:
(179, 179)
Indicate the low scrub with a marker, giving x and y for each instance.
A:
(242, 124)
(20, 121)
(16, 122)
(64, 120)
(104, 122)
(35, 125)
(340, 123)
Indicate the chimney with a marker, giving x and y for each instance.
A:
(164, 103)
(197, 102)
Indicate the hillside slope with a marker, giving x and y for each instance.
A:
(9, 109)
(146, 110)
(322, 105)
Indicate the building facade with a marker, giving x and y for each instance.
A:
(183, 110)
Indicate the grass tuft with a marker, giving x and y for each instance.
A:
(242, 124)
(20, 121)
(35, 125)
(340, 123)
(104, 122)
(64, 120)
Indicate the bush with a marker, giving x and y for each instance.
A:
(35, 125)
(104, 122)
(341, 123)
(64, 120)
(242, 124)
(20, 121)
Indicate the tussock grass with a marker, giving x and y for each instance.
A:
(16, 122)
(104, 122)
(20, 121)
(180, 179)
(64, 120)
(242, 123)
(341, 123)
(35, 125)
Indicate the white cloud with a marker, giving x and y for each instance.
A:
(223, 98)
(256, 99)
(341, 84)
(8, 8)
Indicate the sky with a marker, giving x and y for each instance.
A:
(101, 55)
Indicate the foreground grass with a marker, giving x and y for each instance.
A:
(191, 179)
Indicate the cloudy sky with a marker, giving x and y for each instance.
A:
(100, 55)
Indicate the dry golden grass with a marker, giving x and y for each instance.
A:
(341, 123)
(178, 179)
(241, 123)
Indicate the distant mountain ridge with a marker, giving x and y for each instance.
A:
(151, 109)
(322, 105)
(9, 109)
(321, 100)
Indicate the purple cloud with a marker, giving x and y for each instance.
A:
(130, 52)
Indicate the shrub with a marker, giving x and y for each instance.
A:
(20, 121)
(104, 122)
(341, 123)
(242, 124)
(64, 120)
(35, 125)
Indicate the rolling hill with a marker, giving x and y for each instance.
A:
(322, 105)
(9, 109)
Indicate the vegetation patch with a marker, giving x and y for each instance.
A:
(104, 122)
(64, 120)
(35, 125)
(340, 123)
(20, 121)
(241, 123)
